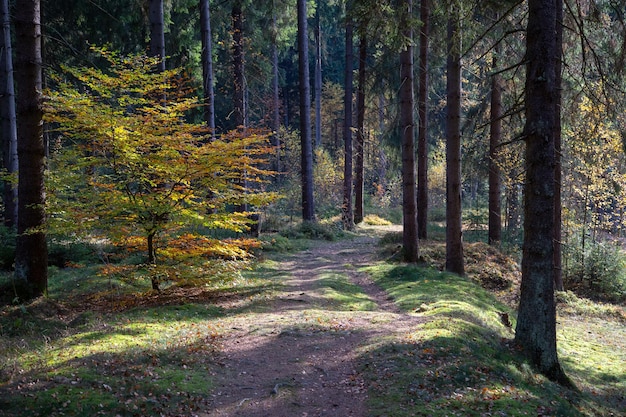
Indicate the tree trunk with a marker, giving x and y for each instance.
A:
(558, 256)
(207, 66)
(31, 260)
(422, 139)
(9, 119)
(238, 66)
(454, 236)
(360, 129)
(157, 32)
(407, 126)
(347, 211)
(535, 332)
(495, 137)
(152, 259)
(318, 77)
(308, 208)
(276, 96)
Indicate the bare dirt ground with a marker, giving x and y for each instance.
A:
(299, 358)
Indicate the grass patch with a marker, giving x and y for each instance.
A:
(344, 295)
(460, 362)
(124, 354)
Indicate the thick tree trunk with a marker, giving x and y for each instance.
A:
(9, 119)
(558, 258)
(422, 138)
(318, 77)
(495, 137)
(535, 332)
(347, 208)
(360, 130)
(407, 126)
(308, 207)
(454, 236)
(238, 67)
(207, 66)
(31, 261)
(157, 32)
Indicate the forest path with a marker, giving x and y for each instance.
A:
(300, 355)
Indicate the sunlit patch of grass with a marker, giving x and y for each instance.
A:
(461, 362)
(374, 220)
(344, 295)
(145, 361)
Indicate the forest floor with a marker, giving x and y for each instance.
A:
(332, 330)
(301, 357)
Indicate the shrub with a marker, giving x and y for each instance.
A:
(597, 270)
(311, 230)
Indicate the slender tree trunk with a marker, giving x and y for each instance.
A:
(558, 221)
(535, 332)
(276, 96)
(495, 137)
(347, 209)
(9, 118)
(238, 66)
(31, 260)
(422, 139)
(152, 258)
(360, 130)
(157, 32)
(308, 207)
(318, 77)
(454, 236)
(207, 66)
(407, 126)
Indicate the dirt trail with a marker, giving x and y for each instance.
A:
(299, 358)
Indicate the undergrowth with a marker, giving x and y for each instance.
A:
(462, 361)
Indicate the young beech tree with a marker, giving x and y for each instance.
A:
(137, 172)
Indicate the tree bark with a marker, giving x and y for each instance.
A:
(157, 32)
(9, 119)
(535, 332)
(422, 138)
(347, 208)
(318, 77)
(558, 223)
(454, 236)
(238, 66)
(308, 207)
(360, 129)
(31, 260)
(207, 66)
(275, 96)
(152, 258)
(407, 126)
(495, 137)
